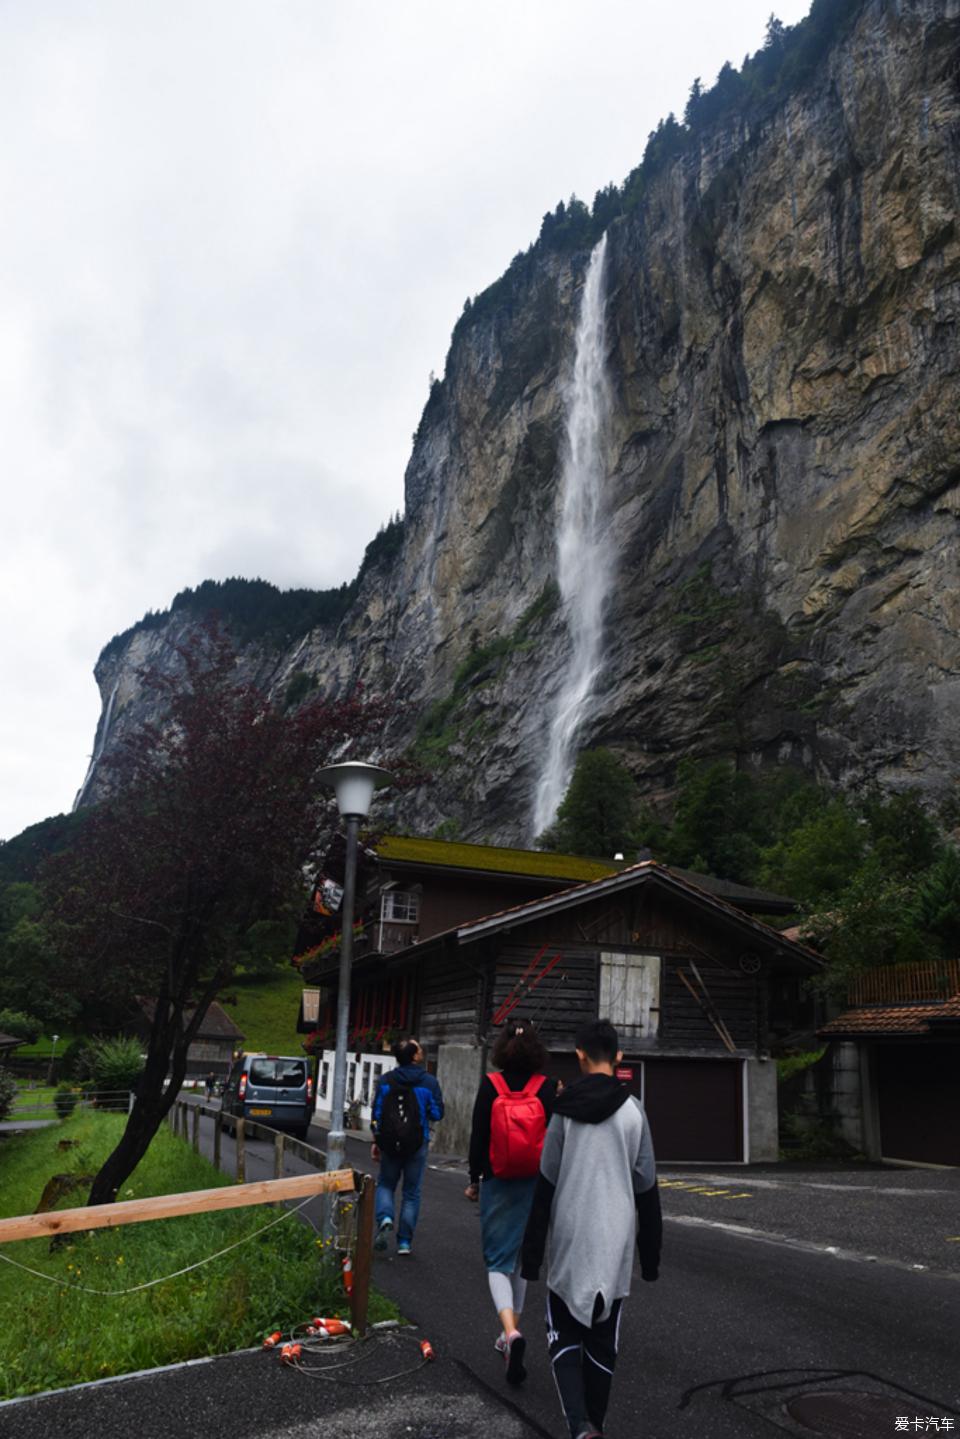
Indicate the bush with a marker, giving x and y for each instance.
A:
(8, 1088)
(65, 1100)
(20, 1025)
(114, 1063)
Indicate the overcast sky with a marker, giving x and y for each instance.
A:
(235, 239)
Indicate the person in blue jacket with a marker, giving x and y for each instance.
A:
(408, 1079)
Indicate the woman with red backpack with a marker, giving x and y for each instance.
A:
(509, 1122)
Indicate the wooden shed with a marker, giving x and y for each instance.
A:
(684, 974)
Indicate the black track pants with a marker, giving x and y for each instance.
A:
(583, 1361)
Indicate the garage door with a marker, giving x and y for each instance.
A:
(919, 1098)
(695, 1108)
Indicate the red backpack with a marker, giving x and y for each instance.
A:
(517, 1126)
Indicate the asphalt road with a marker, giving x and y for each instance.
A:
(777, 1286)
(819, 1301)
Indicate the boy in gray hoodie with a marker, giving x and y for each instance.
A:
(596, 1193)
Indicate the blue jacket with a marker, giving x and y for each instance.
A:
(425, 1087)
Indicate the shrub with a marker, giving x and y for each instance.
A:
(20, 1025)
(65, 1100)
(8, 1088)
(114, 1063)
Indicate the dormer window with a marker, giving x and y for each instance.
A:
(400, 906)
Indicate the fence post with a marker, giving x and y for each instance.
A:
(279, 1144)
(196, 1128)
(241, 1153)
(363, 1255)
(217, 1132)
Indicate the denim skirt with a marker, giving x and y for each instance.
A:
(504, 1211)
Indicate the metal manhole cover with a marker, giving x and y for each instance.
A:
(846, 1415)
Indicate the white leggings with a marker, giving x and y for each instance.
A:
(508, 1290)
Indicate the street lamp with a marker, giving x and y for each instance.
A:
(53, 1057)
(354, 783)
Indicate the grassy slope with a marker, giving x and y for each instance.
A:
(52, 1335)
(267, 1011)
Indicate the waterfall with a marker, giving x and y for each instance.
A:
(584, 555)
(98, 749)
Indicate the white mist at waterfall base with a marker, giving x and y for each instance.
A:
(584, 553)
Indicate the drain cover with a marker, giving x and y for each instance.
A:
(847, 1415)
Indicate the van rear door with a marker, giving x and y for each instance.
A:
(277, 1091)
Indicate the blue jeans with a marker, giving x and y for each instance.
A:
(391, 1171)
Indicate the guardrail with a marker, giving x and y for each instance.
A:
(115, 1099)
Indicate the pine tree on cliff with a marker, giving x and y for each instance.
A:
(212, 815)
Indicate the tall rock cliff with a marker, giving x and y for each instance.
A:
(783, 468)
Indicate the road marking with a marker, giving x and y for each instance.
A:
(690, 1188)
(796, 1182)
(953, 1238)
(807, 1246)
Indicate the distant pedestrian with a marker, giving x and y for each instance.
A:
(509, 1122)
(406, 1100)
(209, 1083)
(596, 1193)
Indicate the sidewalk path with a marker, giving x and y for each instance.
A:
(252, 1396)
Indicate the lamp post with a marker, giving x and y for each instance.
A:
(354, 783)
(53, 1058)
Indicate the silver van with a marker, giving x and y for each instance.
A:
(271, 1089)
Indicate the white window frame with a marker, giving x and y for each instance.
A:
(404, 900)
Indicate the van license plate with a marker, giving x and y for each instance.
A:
(261, 1111)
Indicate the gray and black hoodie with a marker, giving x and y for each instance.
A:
(596, 1193)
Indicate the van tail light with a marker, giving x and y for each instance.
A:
(242, 1086)
(309, 1086)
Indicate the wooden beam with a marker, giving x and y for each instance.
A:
(363, 1252)
(168, 1206)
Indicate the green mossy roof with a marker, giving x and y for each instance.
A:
(493, 858)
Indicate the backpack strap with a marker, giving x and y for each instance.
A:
(533, 1084)
(499, 1084)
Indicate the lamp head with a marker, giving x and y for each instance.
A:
(354, 783)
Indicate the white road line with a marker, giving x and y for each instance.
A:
(806, 1246)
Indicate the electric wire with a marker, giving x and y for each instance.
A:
(150, 1283)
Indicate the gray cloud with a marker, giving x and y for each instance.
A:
(236, 239)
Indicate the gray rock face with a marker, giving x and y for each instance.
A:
(784, 474)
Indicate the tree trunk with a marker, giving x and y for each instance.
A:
(168, 1045)
(151, 1106)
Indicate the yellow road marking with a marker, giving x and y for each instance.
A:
(953, 1238)
(690, 1188)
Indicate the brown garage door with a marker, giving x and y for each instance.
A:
(695, 1109)
(919, 1095)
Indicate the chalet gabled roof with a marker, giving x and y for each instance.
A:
(647, 872)
(216, 1023)
(9, 1041)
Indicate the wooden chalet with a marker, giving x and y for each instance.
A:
(684, 971)
(899, 1044)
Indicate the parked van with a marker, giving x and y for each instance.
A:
(271, 1089)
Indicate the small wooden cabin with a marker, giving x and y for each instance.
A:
(683, 973)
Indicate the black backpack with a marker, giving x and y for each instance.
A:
(400, 1128)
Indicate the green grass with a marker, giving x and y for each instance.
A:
(51, 1335)
(43, 1047)
(267, 1011)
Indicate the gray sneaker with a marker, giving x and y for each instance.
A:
(384, 1230)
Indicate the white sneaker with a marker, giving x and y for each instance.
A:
(500, 1345)
(383, 1233)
